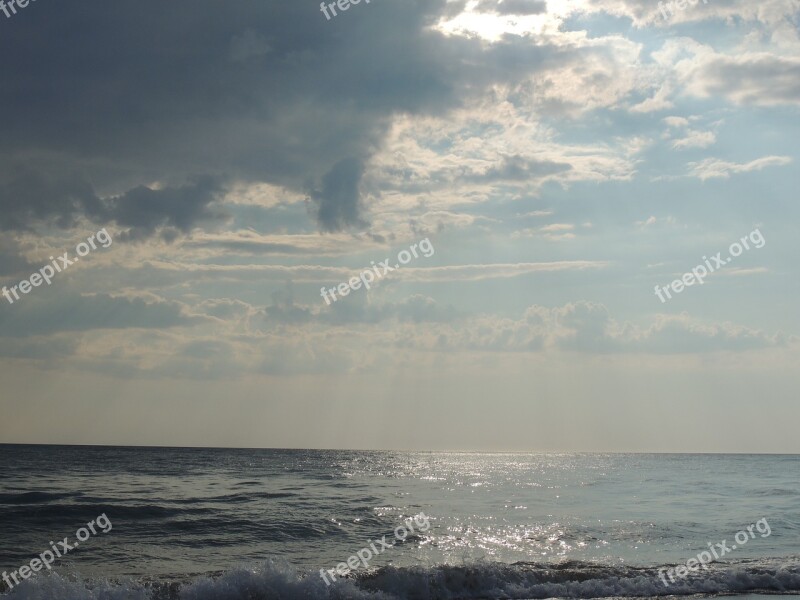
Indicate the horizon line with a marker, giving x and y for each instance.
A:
(162, 447)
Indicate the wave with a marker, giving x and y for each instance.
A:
(275, 580)
(26, 498)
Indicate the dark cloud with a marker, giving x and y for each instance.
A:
(143, 210)
(33, 315)
(248, 45)
(32, 199)
(261, 91)
(134, 92)
(338, 203)
(519, 168)
(284, 310)
(11, 262)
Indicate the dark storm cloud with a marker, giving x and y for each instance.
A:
(338, 203)
(11, 262)
(143, 210)
(128, 93)
(31, 199)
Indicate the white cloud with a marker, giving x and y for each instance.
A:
(695, 139)
(712, 168)
(676, 122)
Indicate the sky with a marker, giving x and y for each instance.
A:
(549, 174)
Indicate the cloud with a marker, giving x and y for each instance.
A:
(742, 272)
(695, 139)
(37, 347)
(433, 222)
(512, 7)
(33, 315)
(676, 122)
(262, 96)
(250, 242)
(520, 168)
(11, 261)
(658, 102)
(644, 13)
(714, 168)
(144, 210)
(289, 339)
(339, 201)
(224, 308)
(554, 231)
(175, 273)
(587, 327)
(248, 44)
(267, 124)
(257, 96)
(361, 310)
(32, 199)
(651, 220)
(753, 79)
(557, 227)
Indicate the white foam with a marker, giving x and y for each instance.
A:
(278, 580)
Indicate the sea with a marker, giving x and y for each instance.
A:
(236, 524)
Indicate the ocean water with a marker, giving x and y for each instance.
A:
(250, 524)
